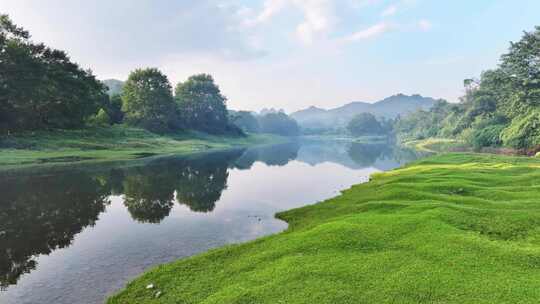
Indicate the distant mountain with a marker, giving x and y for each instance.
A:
(115, 86)
(309, 114)
(390, 107)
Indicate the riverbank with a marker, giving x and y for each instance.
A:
(454, 228)
(115, 143)
(438, 145)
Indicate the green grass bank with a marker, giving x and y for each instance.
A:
(50, 148)
(454, 228)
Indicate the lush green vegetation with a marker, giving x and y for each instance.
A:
(41, 89)
(365, 124)
(502, 108)
(148, 101)
(52, 111)
(270, 121)
(117, 142)
(456, 228)
(201, 104)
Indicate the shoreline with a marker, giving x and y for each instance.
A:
(331, 250)
(125, 144)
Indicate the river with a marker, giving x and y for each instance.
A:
(77, 235)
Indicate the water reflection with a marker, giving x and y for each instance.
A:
(42, 212)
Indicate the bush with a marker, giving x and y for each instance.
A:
(523, 132)
(100, 119)
(488, 136)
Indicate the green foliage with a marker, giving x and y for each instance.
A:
(522, 65)
(40, 87)
(499, 108)
(487, 137)
(364, 124)
(456, 228)
(278, 123)
(246, 121)
(114, 109)
(101, 119)
(523, 132)
(422, 124)
(148, 101)
(201, 105)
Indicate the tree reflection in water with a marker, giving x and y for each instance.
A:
(43, 211)
(41, 214)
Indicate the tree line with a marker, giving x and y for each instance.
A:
(273, 122)
(42, 89)
(501, 108)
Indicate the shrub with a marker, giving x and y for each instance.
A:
(488, 136)
(523, 132)
(100, 119)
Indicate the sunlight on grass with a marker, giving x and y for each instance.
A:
(456, 228)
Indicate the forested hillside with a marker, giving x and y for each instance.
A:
(501, 108)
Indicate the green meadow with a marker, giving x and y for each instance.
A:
(453, 228)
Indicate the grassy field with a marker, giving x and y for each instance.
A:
(109, 144)
(454, 228)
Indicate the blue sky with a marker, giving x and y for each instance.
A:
(287, 53)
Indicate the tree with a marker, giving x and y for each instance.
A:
(100, 119)
(364, 124)
(278, 123)
(148, 101)
(246, 121)
(201, 105)
(114, 109)
(40, 87)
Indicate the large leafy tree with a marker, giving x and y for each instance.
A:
(40, 87)
(201, 105)
(148, 101)
(522, 66)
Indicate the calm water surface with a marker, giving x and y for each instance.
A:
(79, 235)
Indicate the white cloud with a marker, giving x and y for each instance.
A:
(390, 11)
(370, 32)
(424, 25)
(270, 9)
(319, 19)
(319, 16)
